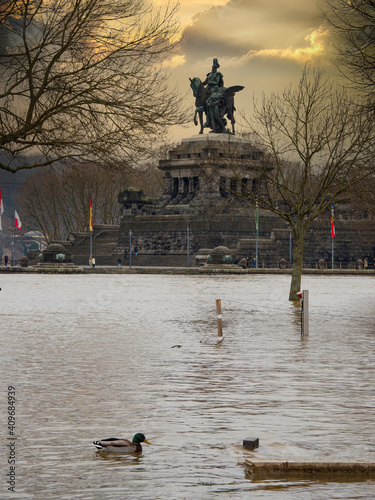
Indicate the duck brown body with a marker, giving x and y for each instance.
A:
(120, 445)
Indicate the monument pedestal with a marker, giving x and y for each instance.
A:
(209, 166)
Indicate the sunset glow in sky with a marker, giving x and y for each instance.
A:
(261, 44)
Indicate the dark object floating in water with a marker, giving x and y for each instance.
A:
(251, 443)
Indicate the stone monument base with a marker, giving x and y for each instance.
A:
(51, 267)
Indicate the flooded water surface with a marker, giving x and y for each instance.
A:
(99, 356)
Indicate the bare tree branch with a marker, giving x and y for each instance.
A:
(353, 25)
(83, 79)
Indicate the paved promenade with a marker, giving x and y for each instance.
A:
(210, 269)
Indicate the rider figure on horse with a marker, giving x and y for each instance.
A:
(214, 78)
(216, 101)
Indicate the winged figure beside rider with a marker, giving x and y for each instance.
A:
(215, 100)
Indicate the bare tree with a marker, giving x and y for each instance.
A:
(353, 26)
(316, 145)
(83, 79)
(147, 176)
(55, 200)
(361, 198)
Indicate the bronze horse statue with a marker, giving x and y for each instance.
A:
(202, 95)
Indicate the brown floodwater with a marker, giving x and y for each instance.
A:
(94, 356)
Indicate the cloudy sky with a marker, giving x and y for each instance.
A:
(261, 44)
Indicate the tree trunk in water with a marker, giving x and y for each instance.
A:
(295, 285)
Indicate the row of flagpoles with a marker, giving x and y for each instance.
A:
(17, 220)
(18, 225)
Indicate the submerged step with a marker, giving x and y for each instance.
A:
(310, 468)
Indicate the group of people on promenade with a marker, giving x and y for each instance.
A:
(92, 261)
(134, 252)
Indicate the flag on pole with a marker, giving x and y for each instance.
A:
(257, 220)
(17, 221)
(333, 232)
(90, 214)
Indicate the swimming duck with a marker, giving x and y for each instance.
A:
(118, 445)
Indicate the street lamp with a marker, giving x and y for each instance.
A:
(11, 229)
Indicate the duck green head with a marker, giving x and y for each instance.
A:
(140, 438)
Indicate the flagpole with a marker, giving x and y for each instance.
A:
(91, 229)
(1, 227)
(188, 244)
(130, 248)
(90, 259)
(14, 248)
(1, 241)
(256, 235)
(333, 232)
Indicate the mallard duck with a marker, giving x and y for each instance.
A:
(118, 445)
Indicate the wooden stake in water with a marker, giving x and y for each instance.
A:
(305, 313)
(219, 319)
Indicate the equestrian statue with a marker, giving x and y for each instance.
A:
(214, 100)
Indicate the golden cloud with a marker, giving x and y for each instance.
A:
(174, 62)
(316, 48)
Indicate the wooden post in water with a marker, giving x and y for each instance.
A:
(219, 319)
(305, 313)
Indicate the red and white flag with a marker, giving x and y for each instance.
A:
(333, 232)
(17, 221)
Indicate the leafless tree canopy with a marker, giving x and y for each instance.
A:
(83, 79)
(55, 201)
(353, 25)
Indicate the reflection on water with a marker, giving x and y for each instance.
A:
(93, 356)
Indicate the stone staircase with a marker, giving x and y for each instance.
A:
(104, 243)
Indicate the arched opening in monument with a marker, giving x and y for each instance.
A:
(195, 184)
(185, 185)
(175, 187)
(233, 187)
(244, 187)
(222, 188)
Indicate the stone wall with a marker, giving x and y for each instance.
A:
(167, 236)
